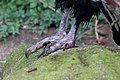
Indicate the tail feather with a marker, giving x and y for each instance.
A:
(112, 19)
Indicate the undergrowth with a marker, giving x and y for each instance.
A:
(16, 13)
(38, 15)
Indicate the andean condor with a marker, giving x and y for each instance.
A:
(82, 11)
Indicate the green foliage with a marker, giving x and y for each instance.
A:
(16, 58)
(15, 13)
(38, 14)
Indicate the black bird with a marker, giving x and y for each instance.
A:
(82, 11)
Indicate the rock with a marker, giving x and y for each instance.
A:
(89, 63)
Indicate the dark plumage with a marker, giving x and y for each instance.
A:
(83, 10)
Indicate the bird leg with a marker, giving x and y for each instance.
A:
(53, 39)
(67, 42)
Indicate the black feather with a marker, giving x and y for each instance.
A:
(83, 10)
(63, 4)
(111, 18)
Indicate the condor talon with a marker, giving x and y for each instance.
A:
(34, 48)
(26, 53)
(30, 50)
(82, 11)
(41, 54)
(47, 42)
(44, 53)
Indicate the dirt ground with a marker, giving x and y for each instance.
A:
(26, 36)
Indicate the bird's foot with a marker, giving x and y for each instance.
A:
(64, 43)
(45, 43)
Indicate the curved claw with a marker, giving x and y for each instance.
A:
(65, 47)
(50, 46)
(40, 54)
(27, 53)
(44, 53)
(34, 48)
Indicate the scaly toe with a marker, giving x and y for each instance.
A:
(45, 43)
(64, 44)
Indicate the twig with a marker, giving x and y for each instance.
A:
(31, 69)
(113, 23)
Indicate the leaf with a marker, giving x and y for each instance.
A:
(45, 5)
(33, 4)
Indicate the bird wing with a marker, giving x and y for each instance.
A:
(113, 20)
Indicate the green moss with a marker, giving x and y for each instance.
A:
(90, 63)
(17, 60)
